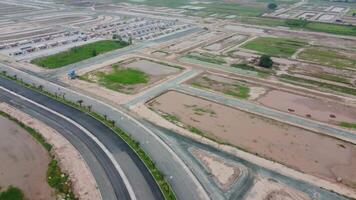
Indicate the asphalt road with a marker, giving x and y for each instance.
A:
(109, 181)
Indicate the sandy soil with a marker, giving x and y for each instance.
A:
(152, 68)
(23, 162)
(222, 44)
(224, 173)
(303, 105)
(70, 160)
(265, 189)
(292, 146)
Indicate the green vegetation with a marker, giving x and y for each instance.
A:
(348, 125)
(77, 54)
(158, 175)
(334, 78)
(210, 58)
(265, 61)
(239, 91)
(118, 78)
(280, 47)
(317, 84)
(236, 90)
(329, 57)
(12, 193)
(337, 29)
(261, 72)
(272, 6)
(351, 12)
(59, 180)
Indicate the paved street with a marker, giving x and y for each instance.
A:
(143, 184)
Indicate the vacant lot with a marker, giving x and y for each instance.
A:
(279, 47)
(295, 147)
(227, 86)
(23, 162)
(131, 76)
(206, 57)
(117, 78)
(329, 57)
(77, 54)
(303, 106)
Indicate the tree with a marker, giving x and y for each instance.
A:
(80, 102)
(272, 6)
(94, 53)
(265, 61)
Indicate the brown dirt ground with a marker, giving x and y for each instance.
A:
(302, 105)
(24, 162)
(295, 147)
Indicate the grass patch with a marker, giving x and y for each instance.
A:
(279, 47)
(239, 91)
(79, 53)
(348, 125)
(12, 193)
(119, 79)
(261, 72)
(210, 58)
(334, 78)
(236, 89)
(329, 57)
(59, 180)
(156, 173)
(317, 84)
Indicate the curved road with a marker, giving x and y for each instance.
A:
(111, 183)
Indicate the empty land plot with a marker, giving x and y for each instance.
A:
(77, 54)
(295, 147)
(24, 162)
(279, 47)
(224, 85)
(129, 77)
(329, 57)
(227, 42)
(318, 85)
(321, 110)
(206, 57)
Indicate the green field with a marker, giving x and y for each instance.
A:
(329, 57)
(119, 79)
(77, 54)
(351, 11)
(279, 47)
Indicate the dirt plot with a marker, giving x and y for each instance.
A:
(151, 68)
(227, 42)
(318, 109)
(23, 162)
(295, 147)
(130, 76)
(228, 86)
